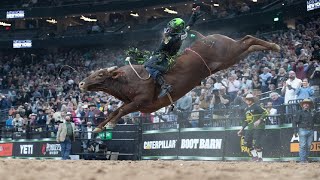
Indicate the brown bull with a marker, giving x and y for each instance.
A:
(206, 56)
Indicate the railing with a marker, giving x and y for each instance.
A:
(230, 117)
(223, 117)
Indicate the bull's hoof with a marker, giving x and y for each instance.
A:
(276, 47)
(97, 130)
(110, 125)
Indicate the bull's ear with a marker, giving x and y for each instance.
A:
(116, 74)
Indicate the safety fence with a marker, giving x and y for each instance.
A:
(39, 142)
(219, 143)
(206, 135)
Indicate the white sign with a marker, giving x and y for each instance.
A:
(313, 4)
(26, 149)
(201, 143)
(22, 43)
(15, 14)
(164, 144)
(51, 149)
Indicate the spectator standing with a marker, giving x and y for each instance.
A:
(65, 136)
(282, 75)
(184, 108)
(305, 91)
(313, 73)
(255, 120)
(290, 86)
(256, 86)
(274, 78)
(4, 102)
(185, 103)
(17, 121)
(272, 112)
(277, 102)
(204, 99)
(234, 86)
(300, 70)
(41, 119)
(265, 78)
(9, 122)
(195, 115)
(87, 135)
(303, 125)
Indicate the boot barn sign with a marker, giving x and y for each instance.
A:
(216, 143)
(183, 145)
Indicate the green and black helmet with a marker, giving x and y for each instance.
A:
(176, 24)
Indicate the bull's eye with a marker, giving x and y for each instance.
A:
(100, 74)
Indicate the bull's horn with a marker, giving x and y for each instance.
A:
(112, 68)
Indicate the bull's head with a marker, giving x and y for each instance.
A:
(100, 80)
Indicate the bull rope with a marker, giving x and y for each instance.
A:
(66, 66)
(201, 59)
(128, 60)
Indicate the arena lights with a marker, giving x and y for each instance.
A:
(52, 21)
(134, 14)
(4, 24)
(87, 19)
(216, 5)
(170, 11)
(254, 0)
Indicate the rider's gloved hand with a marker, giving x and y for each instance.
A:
(196, 10)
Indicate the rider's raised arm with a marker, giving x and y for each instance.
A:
(194, 17)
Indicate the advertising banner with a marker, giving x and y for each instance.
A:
(160, 144)
(201, 143)
(234, 146)
(49, 149)
(6, 149)
(41, 149)
(290, 144)
(25, 149)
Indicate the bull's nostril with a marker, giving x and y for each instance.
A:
(81, 83)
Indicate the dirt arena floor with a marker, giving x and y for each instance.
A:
(162, 170)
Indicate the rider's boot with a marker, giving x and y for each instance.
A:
(165, 88)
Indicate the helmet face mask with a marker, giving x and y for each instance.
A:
(176, 25)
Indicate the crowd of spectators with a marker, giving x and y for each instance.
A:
(115, 22)
(47, 3)
(38, 90)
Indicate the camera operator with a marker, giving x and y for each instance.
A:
(219, 99)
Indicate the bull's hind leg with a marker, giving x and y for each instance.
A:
(251, 41)
(116, 115)
(252, 49)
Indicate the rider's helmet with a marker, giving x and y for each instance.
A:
(176, 25)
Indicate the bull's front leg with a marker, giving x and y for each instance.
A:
(116, 115)
(111, 116)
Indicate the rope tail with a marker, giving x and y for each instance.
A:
(68, 67)
(128, 60)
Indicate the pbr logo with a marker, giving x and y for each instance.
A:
(51, 149)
